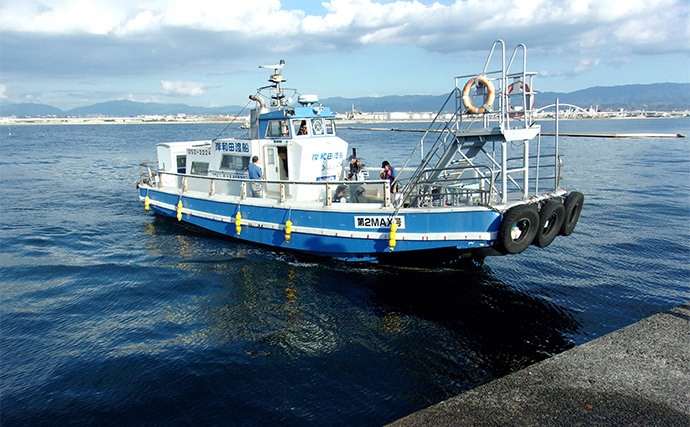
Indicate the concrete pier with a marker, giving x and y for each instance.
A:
(638, 375)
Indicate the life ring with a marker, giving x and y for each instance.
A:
(488, 97)
(573, 206)
(526, 88)
(518, 229)
(551, 218)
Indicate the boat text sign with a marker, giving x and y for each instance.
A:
(378, 221)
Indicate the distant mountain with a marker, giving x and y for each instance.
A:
(29, 110)
(654, 97)
(121, 108)
(387, 103)
(124, 108)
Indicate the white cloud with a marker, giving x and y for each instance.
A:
(182, 88)
(133, 44)
(3, 91)
(61, 17)
(585, 65)
(144, 21)
(650, 23)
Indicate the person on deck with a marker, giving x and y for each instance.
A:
(390, 173)
(355, 169)
(255, 173)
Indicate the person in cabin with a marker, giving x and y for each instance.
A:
(255, 173)
(303, 128)
(390, 174)
(340, 194)
(282, 153)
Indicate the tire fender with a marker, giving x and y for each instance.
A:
(551, 218)
(518, 229)
(573, 206)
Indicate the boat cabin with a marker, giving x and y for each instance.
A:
(295, 144)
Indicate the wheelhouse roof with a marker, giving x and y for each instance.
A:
(299, 113)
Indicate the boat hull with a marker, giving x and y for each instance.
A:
(354, 233)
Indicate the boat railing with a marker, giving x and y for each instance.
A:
(463, 183)
(453, 186)
(147, 173)
(275, 191)
(469, 183)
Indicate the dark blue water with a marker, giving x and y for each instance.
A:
(112, 316)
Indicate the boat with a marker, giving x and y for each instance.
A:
(482, 181)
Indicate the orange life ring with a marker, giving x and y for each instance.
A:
(488, 98)
(526, 88)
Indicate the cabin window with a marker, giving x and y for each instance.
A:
(234, 162)
(317, 126)
(300, 127)
(199, 168)
(330, 127)
(181, 164)
(277, 129)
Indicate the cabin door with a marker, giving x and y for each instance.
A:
(272, 169)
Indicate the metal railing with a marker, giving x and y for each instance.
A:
(277, 191)
(479, 151)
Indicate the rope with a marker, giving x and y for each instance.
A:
(232, 121)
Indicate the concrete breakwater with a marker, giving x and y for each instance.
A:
(638, 375)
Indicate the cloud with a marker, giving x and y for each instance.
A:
(182, 88)
(96, 41)
(585, 65)
(3, 91)
(431, 25)
(128, 17)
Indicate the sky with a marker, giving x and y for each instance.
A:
(73, 53)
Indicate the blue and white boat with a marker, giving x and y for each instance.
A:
(482, 181)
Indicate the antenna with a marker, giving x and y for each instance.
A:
(276, 79)
(279, 66)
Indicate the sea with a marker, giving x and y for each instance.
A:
(110, 315)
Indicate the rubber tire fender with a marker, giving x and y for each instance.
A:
(551, 218)
(522, 219)
(573, 207)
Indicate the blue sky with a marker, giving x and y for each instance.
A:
(72, 53)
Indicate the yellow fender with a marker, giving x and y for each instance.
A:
(391, 236)
(288, 231)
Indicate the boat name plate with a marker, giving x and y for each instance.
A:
(378, 221)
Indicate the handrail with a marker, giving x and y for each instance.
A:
(273, 181)
(328, 186)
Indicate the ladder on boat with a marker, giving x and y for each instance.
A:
(482, 158)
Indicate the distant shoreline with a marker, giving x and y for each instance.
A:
(137, 121)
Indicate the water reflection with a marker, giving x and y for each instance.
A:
(473, 324)
(417, 336)
(501, 328)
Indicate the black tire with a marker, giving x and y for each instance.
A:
(573, 207)
(518, 228)
(551, 219)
